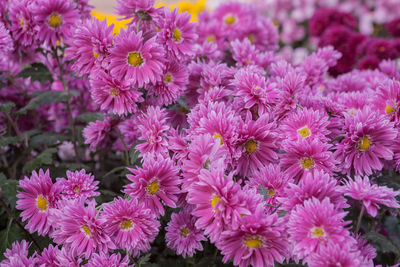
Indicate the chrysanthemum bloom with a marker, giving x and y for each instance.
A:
(255, 91)
(389, 67)
(335, 255)
(317, 185)
(78, 184)
(204, 153)
(371, 195)
(89, 45)
(22, 23)
(272, 179)
(55, 19)
(78, 230)
(369, 140)
(367, 251)
(263, 34)
(182, 234)
(18, 256)
(257, 142)
(117, 96)
(219, 202)
(113, 260)
(96, 131)
(155, 183)
(177, 33)
(314, 224)
(65, 258)
(6, 43)
(135, 59)
(128, 222)
(172, 85)
(306, 156)
(387, 100)
(39, 195)
(134, 8)
(246, 54)
(306, 123)
(153, 129)
(328, 17)
(49, 256)
(259, 241)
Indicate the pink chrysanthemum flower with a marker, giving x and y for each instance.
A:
(6, 43)
(172, 85)
(234, 18)
(273, 180)
(335, 255)
(259, 241)
(177, 33)
(133, 8)
(96, 132)
(258, 144)
(114, 95)
(314, 224)
(130, 224)
(17, 256)
(65, 258)
(49, 256)
(317, 185)
(306, 156)
(245, 53)
(78, 230)
(371, 195)
(182, 234)
(106, 260)
(255, 91)
(369, 140)
(155, 183)
(306, 123)
(263, 34)
(22, 22)
(78, 184)
(204, 153)
(153, 129)
(219, 201)
(89, 45)
(387, 100)
(55, 19)
(135, 59)
(38, 197)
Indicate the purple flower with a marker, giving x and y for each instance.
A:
(23, 26)
(78, 185)
(328, 17)
(393, 27)
(113, 260)
(96, 132)
(335, 255)
(134, 8)
(6, 43)
(18, 256)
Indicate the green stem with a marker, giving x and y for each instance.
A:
(360, 217)
(126, 149)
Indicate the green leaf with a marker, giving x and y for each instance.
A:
(48, 139)
(9, 140)
(37, 72)
(133, 153)
(7, 106)
(9, 190)
(90, 116)
(392, 225)
(381, 242)
(45, 98)
(8, 236)
(263, 191)
(44, 158)
(144, 259)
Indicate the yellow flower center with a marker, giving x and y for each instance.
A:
(168, 78)
(217, 135)
(271, 192)
(126, 225)
(77, 189)
(86, 230)
(114, 92)
(215, 199)
(251, 38)
(185, 231)
(317, 232)
(304, 132)
(41, 203)
(256, 88)
(96, 55)
(382, 49)
(307, 163)
(229, 20)
(364, 143)
(211, 38)
(251, 146)
(177, 35)
(54, 20)
(253, 242)
(21, 22)
(153, 187)
(135, 59)
(389, 109)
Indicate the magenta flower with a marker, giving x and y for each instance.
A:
(219, 201)
(368, 141)
(371, 195)
(177, 34)
(18, 256)
(78, 230)
(134, 8)
(246, 54)
(156, 183)
(22, 22)
(6, 43)
(113, 260)
(259, 241)
(257, 142)
(182, 234)
(387, 100)
(135, 59)
(55, 19)
(306, 123)
(306, 156)
(89, 45)
(130, 224)
(335, 255)
(78, 184)
(316, 224)
(49, 256)
(234, 18)
(96, 132)
(114, 95)
(38, 197)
